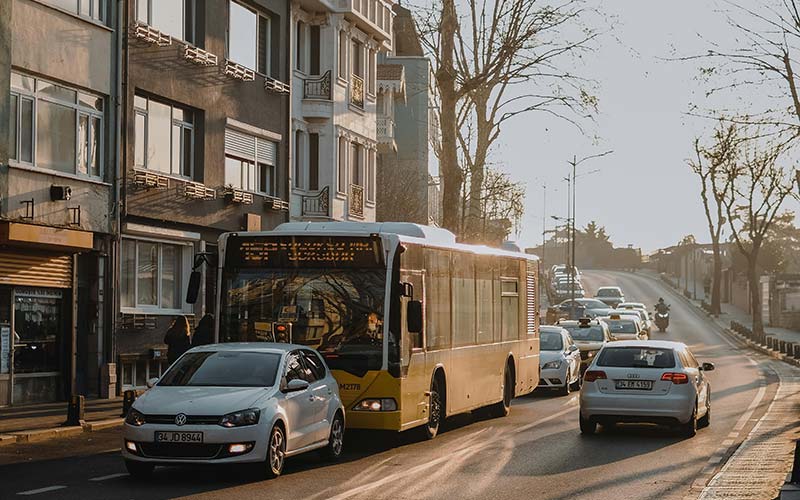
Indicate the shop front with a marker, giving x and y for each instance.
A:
(37, 324)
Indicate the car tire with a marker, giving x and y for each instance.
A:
(335, 439)
(139, 470)
(705, 420)
(576, 386)
(434, 411)
(689, 429)
(276, 452)
(588, 426)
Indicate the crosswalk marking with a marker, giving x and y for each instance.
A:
(110, 476)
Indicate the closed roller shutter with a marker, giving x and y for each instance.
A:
(32, 269)
(250, 147)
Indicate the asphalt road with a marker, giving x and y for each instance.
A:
(536, 452)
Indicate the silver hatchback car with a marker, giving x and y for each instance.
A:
(646, 381)
(236, 403)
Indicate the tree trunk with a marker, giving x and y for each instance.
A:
(478, 172)
(716, 282)
(452, 177)
(755, 296)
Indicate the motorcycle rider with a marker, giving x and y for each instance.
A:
(662, 307)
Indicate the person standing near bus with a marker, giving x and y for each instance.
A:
(177, 338)
(204, 333)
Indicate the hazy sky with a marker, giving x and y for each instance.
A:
(645, 194)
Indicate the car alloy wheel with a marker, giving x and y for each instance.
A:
(336, 439)
(276, 452)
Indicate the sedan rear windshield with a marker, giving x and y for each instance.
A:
(591, 333)
(551, 342)
(223, 369)
(609, 292)
(636, 357)
(621, 326)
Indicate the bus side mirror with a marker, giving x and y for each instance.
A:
(414, 316)
(194, 287)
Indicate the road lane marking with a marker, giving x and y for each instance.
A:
(432, 463)
(570, 401)
(110, 476)
(42, 490)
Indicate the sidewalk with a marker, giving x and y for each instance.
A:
(19, 424)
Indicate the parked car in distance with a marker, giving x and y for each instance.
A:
(654, 382)
(590, 307)
(611, 295)
(625, 326)
(589, 335)
(234, 404)
(643, 316)
(559, 360)
(563, 291)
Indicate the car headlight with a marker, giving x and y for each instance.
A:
(134, 418)
(241, 418)
(590, 354)
(552, 365)
(384, 404)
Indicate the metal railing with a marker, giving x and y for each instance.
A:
(356, 200)
(317, 205)
(385, 129)
(357, 91)
(318, 88)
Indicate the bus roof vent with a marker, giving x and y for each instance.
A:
(435, 234)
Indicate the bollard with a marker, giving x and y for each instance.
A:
(781, 346)
(770, 341)
(796, 352)
(789, 349)
(796, 467)
(128, 397)
(75, 411)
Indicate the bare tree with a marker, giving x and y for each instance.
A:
(498, 60)
(757, 188)
(711, 164)
(502, 203)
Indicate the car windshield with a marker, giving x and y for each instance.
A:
(590, 333)
(223, 369)
(621, 326)
(609, 292)
(551, 341)
(593, 304)
(636, 357)
(336, 311)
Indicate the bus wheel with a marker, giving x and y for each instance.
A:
(502, 408)
(435, 411)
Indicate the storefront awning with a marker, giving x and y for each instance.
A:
(45, 237)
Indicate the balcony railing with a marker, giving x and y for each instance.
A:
(385, 129)
(317, 205)
(318, 88)
(357, 91)
(357, 200)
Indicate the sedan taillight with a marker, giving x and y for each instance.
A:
(592, 375)
(675, 378)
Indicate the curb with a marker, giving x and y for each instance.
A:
(39, 435)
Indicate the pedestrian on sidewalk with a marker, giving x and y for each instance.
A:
(204, 333)
(178, 338)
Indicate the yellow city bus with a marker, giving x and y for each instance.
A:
(414, 326)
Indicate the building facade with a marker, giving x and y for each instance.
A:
(205, 151)
(335, 46)
(405, 127)
(58, 210)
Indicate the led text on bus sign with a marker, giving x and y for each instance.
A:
(304, 251)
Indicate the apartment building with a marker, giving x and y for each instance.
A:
(206, 150)
(58, 211)
(335, 46)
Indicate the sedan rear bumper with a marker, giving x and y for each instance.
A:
(636, 408)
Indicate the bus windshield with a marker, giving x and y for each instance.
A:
(336, 311)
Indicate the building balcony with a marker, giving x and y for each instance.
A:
(318, 88)
(316, 205)
(357, 91)
(356, 205)
(385, 133)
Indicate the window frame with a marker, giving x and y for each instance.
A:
(102, 9)
(192, 38)
(76, 107)
(272, 188)
(261, 17)
(181, 124)
(185, 265)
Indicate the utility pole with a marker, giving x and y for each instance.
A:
(544, 223)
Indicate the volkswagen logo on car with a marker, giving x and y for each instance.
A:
(180, 419)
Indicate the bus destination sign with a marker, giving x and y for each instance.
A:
(303, 251)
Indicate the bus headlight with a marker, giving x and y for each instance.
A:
(385, 404)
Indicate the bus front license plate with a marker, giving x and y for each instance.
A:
(178, 437)
(640, 385)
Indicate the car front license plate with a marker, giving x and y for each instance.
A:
(178, 437)
(641, 385)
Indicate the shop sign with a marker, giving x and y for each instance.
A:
(5, 348)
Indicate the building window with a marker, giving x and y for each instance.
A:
(248, 38)
(371, 77)
(164, 137)
(250, 163)
(173, 17)
(93, 9)
(300, 47)
(299, 178)
(314, 50)
(313, 161)
(152, 274)
(342, 174)
(343, 55)
(55, 127)
(356, 165)
(371, 175)
(357, 65)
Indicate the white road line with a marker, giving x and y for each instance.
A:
(41, 490)
(570, 401)
(110, 476)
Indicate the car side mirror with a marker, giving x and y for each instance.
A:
(296, 385)
(414, 316)
(151, 382)
(572, 348)
(707, 367)
(194, 287)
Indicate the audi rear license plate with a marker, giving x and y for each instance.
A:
(636, 385)
(178, 437)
